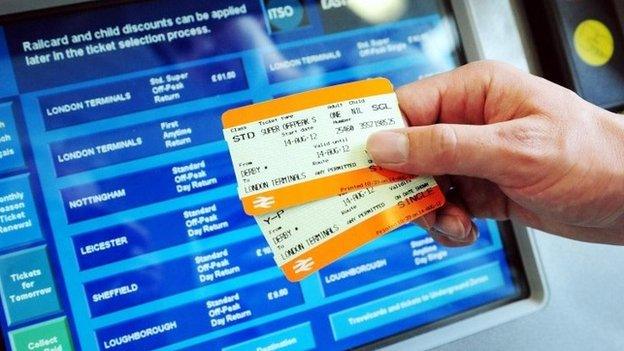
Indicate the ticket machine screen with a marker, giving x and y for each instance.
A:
(120, 225)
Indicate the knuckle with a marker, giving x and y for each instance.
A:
(530, 145)
(444, 142)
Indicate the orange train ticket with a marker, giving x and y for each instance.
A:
(307, 238)
(308, 146)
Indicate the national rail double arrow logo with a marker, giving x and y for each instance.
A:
(303, 265)
(264, 202)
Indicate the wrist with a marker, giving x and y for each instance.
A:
(612, 129)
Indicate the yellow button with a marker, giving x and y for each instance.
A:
(593, 42)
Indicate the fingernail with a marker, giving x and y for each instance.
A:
(425, 223)
(388, 147)
(452, 228)
(474, 232)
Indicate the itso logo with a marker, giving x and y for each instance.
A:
(285, 15)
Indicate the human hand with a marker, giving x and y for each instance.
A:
(510, 146)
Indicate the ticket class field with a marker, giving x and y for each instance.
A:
(306, 238)
(309, 146)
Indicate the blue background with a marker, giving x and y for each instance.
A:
(152, 214)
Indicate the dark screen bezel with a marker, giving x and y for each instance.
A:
(507, 233)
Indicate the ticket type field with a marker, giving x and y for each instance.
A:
(302, 244)
(309, 146)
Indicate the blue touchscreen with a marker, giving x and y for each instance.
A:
(120, 226)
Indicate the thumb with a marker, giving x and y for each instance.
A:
(456, 149)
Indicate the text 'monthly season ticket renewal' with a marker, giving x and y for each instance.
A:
(309, 146)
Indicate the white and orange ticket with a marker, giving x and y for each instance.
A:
(303, 171)
(307, 238)
(309, 146)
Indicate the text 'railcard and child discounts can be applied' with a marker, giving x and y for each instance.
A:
(303, 171)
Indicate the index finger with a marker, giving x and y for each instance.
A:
(477, 93)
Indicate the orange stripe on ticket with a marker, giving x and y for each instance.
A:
(360, 234)
(305, 100)
(295, 194)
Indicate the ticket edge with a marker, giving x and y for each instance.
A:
(299, 101)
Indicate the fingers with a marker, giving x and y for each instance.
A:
(481, 198)
(451, 225)
(448, 242)
(511, 154)
(426, 221)
(440, 149)
(477, 93)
